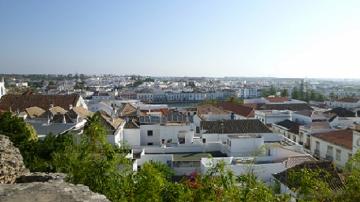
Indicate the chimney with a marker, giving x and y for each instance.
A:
(64, 119)
(70, 107)
(51, 106)
(48, 120)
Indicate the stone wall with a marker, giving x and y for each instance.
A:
(11, 162)
(17, 184)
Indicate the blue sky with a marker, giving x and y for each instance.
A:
(282, 38)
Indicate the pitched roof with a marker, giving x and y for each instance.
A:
(296, 160)
(341, 112)
(349, 99)
(34, 111)
(234, 126)
(21, 102)
(305, 112)
(80, 111)
(128, 110)
(113, 123)
(334, 180)
(207, 108)
(54, 128)
(290, 125)
(131, 124)
(57, 110)
(292, 107)
(342, 138)
(240, 109)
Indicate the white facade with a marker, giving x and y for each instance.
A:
(117, 137)
(248, 92)
(2, 88)
(243, 145)
(274, 160)
(170, 133)
(326, 150)
(300, 118)
(344, 122)
(81, 103)
(356, 141)
(272, 116)
(222, 137)
(346, 105)
(132, 136)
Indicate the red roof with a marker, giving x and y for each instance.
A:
(21, 102)
(237, 108)
(277, 99)
(349, 99)
(342, 138)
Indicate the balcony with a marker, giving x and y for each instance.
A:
(329, 157)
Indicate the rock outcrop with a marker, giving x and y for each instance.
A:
(17, 184)
(11, 162)
(48, 192)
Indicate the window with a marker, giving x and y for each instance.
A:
(228, 142)
(349, 156)
(149, 133)
(317, 145)
(181, 140)
(338, 155)
(329, 153)
(197, 129)
(150, 143)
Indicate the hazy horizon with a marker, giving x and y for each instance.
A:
(205, 38)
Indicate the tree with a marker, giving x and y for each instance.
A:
(284, 93)
(149, 183)
(311, 185)
(295, 93)
(94, 162)
(350, 192)
(235, 100)
(16, 128)
(268, 92)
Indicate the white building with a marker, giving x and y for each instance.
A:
(347, 103)
(273, 159)
(131, 134)
(336, 146)
(167, 133)
(272, 116)
(288, 129)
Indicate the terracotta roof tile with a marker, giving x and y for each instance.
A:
(128, 110)
(334, 180)
(292, 107)
(349, 99)
(277, 99)
(234, 126)
(240, 109)
(34, 111)
(207, 108)
(21, 102)
(342, 138)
